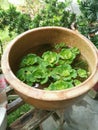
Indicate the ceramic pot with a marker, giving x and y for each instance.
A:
(37, 41)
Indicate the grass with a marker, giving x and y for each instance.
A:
(19, 112)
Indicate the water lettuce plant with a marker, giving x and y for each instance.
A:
(57, 68)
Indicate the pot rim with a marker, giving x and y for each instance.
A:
(44, 94)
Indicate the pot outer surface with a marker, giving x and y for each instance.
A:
(37, 41)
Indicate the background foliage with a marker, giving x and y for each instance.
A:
(87, 22)
(54, 13)
(49, 13)
(15, 20)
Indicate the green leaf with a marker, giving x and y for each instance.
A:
(59, 85)
(64, 72)
(82, 73)
(61, 70)
(77, 82)
(41, 74)
(44, 80)
(60, 45)
(21, 74)
(75, 50)
(29, 60)
(66, 54)
(73, 73)
(50, 57)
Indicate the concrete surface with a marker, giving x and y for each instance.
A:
(81, 116)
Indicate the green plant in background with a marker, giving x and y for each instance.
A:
(3, 21)
(15, 21)
(87, 22)
(12, 23)
(50, 13)
(90, 9)
(53, 13)
(53, 67)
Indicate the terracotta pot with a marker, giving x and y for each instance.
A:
(37, 41)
